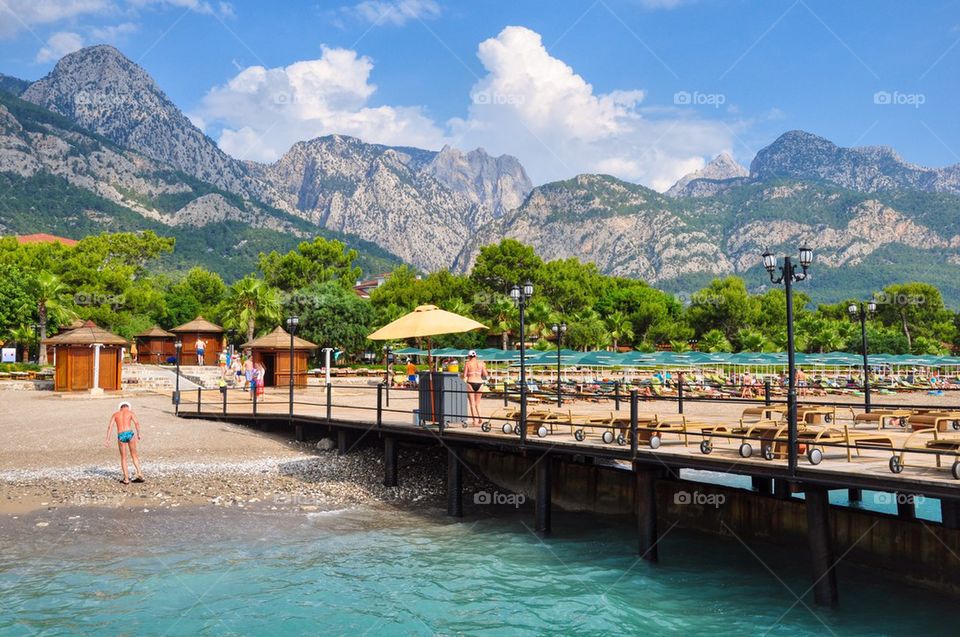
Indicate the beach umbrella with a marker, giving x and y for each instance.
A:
(424, 322)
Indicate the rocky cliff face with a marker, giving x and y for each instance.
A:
(420, 205)
(804, 156)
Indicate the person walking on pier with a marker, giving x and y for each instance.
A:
(474, 374)
(128, 434)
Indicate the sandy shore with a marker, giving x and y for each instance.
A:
(52, 455)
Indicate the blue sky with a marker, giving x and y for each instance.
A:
(643, 89)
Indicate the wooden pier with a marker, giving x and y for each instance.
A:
(619, 430)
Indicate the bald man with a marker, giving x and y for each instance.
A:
(128, 434)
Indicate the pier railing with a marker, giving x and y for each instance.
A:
(522, 418)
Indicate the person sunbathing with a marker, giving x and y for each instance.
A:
(128, 434)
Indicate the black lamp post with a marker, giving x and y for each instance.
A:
(559, 330)
(177, 346)
(520, 296)
(789, 274)
(292, 324)
(861, 311)
(387, 375)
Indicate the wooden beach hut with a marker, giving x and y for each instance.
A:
(200, 329)
(155, 345)
(273, 352)
(87, 358)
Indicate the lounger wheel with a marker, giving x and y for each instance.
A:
(814, 455)
(955, 424)
(767, 452)
(746, 450)
(955, 470)
(485, 425)
(895, 465)
(828, 418)
(579, 434)
(507, 428)
(706, 447)
(621, 440)
(608, 437)
(517, 429)
(542, 431)
(655, 442)
(464, 424)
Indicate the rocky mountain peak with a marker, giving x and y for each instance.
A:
(721, 167)
(105, 92)
(497, 184)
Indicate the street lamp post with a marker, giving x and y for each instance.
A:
(178, 345)
(387, 375)
(861, 311)
(788, 275)
(559, 331)
(292, 324)
(520, 296)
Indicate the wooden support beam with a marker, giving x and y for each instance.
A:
(343, 442)
(454, 484)
(821, 547)
(854, 495)
(906, 507)
(950, 513)
(390, 457)
(298, 433)
(764, 486)
(646, 496)
(544, 487)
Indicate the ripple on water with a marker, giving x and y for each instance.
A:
(384, 571)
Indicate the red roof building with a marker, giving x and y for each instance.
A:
(43, 237)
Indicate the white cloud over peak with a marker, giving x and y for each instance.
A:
(16, 15)
(528, 104)
(58, 45)
(262, 112)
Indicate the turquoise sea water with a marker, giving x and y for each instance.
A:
(382, 571)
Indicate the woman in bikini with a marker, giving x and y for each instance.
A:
(474, 374)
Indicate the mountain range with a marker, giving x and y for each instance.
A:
(98, 145)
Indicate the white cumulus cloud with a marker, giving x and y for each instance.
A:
(16, 15)
(262, 112)
(528, 104)
(58, 45)
(392, 12)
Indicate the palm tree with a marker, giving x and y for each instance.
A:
(538, 319)
(50, 295)
(505, 316)
(620, 327)
(250, 300)
(754, 341)
(715, 341)
(25, 337)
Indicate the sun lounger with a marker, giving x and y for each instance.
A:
(882, 417)
(938, 444)
(939, 420)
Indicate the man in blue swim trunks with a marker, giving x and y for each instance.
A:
(126, 422)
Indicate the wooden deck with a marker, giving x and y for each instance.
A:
(355, 408)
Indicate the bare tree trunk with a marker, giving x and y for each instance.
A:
(906, 331)
(504, 340)
(41, 348)
(251, 329)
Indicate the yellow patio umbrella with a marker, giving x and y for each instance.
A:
(426, 321)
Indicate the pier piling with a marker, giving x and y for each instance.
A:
(454, 484)
(854, 495)
(390, 457)
(298, 433)
(821, 548)
(950, 513)
(343, 442)
(646, 494)
(906, 508)
(544, 486)
(762, 485)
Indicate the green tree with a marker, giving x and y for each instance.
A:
(250, 301)
(16, 304)
(917, 309)
(620, 328)
(724, 305)
(51, 298)
(316, 261)
(714, 341)
(198, 292)
(502, 265)
(569, 285)
(506, 317)
(331, 316)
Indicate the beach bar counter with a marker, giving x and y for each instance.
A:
(200, 329)
(273, 352)
(87, 358)
(155, 345)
